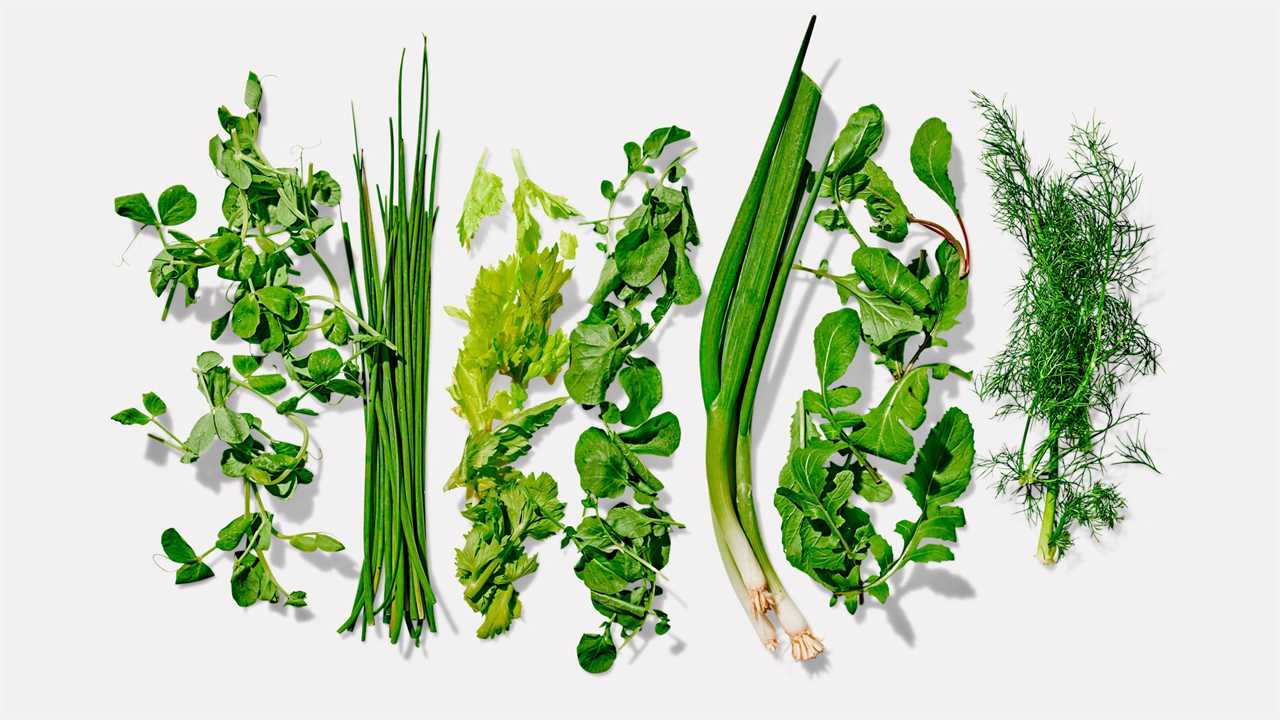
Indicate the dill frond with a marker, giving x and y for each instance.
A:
(1076, 340)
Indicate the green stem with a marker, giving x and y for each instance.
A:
(349, 313)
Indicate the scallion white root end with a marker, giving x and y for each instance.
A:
(804, 644)
(761, 600)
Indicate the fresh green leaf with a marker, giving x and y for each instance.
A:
(930, 158)
(137, 208)
(596, 653)
(177, 205)
(131, 416)
(835, 343)
(176, 548)
(484, 199)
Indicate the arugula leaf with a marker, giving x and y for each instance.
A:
(883, 203)
(857, 142)
(930, 158)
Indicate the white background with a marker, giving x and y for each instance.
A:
(1175, 612)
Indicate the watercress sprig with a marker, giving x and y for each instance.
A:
(623, 546)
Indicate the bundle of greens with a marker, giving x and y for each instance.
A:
(741, 310)
(509, 317)
(394, 577)
(272, 217)
(623, 545)
(824, 533)
(1076, 338)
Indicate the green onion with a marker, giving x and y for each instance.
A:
(394, 580)
(742, 308)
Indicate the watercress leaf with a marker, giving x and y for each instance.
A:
(131, 416)
(280, 301)
(659, 139)
(628, 522)
(857, 142)
(883, 203)
(943, 467)
(930, 158)
(659, 435)
(267, 384)
(484, 199)
(602, 469)
(887, 426)
(175, 547)
(884, 273)
(593, 361)
(642, 382)
(596, 653)
(835, 343)
(640, 256)
(324, 365)
(245, 316)
(137, 208)
(607, 190)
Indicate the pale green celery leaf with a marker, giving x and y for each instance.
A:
(484, 199)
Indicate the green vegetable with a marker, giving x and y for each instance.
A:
(394, 577)
(830, 469)
(272, 220)
(1076, 339)
(738, 321)
(509, 316)
(624, 542)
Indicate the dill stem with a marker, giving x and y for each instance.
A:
(1047, 553)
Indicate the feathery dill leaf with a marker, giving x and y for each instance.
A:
(1077, 339)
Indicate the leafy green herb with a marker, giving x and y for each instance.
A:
(831, 469)
(1076, 339)
(272, 220)
(395, 581)
(509, 317)
(623, 543)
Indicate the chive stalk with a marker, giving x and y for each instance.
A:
(394, 579)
